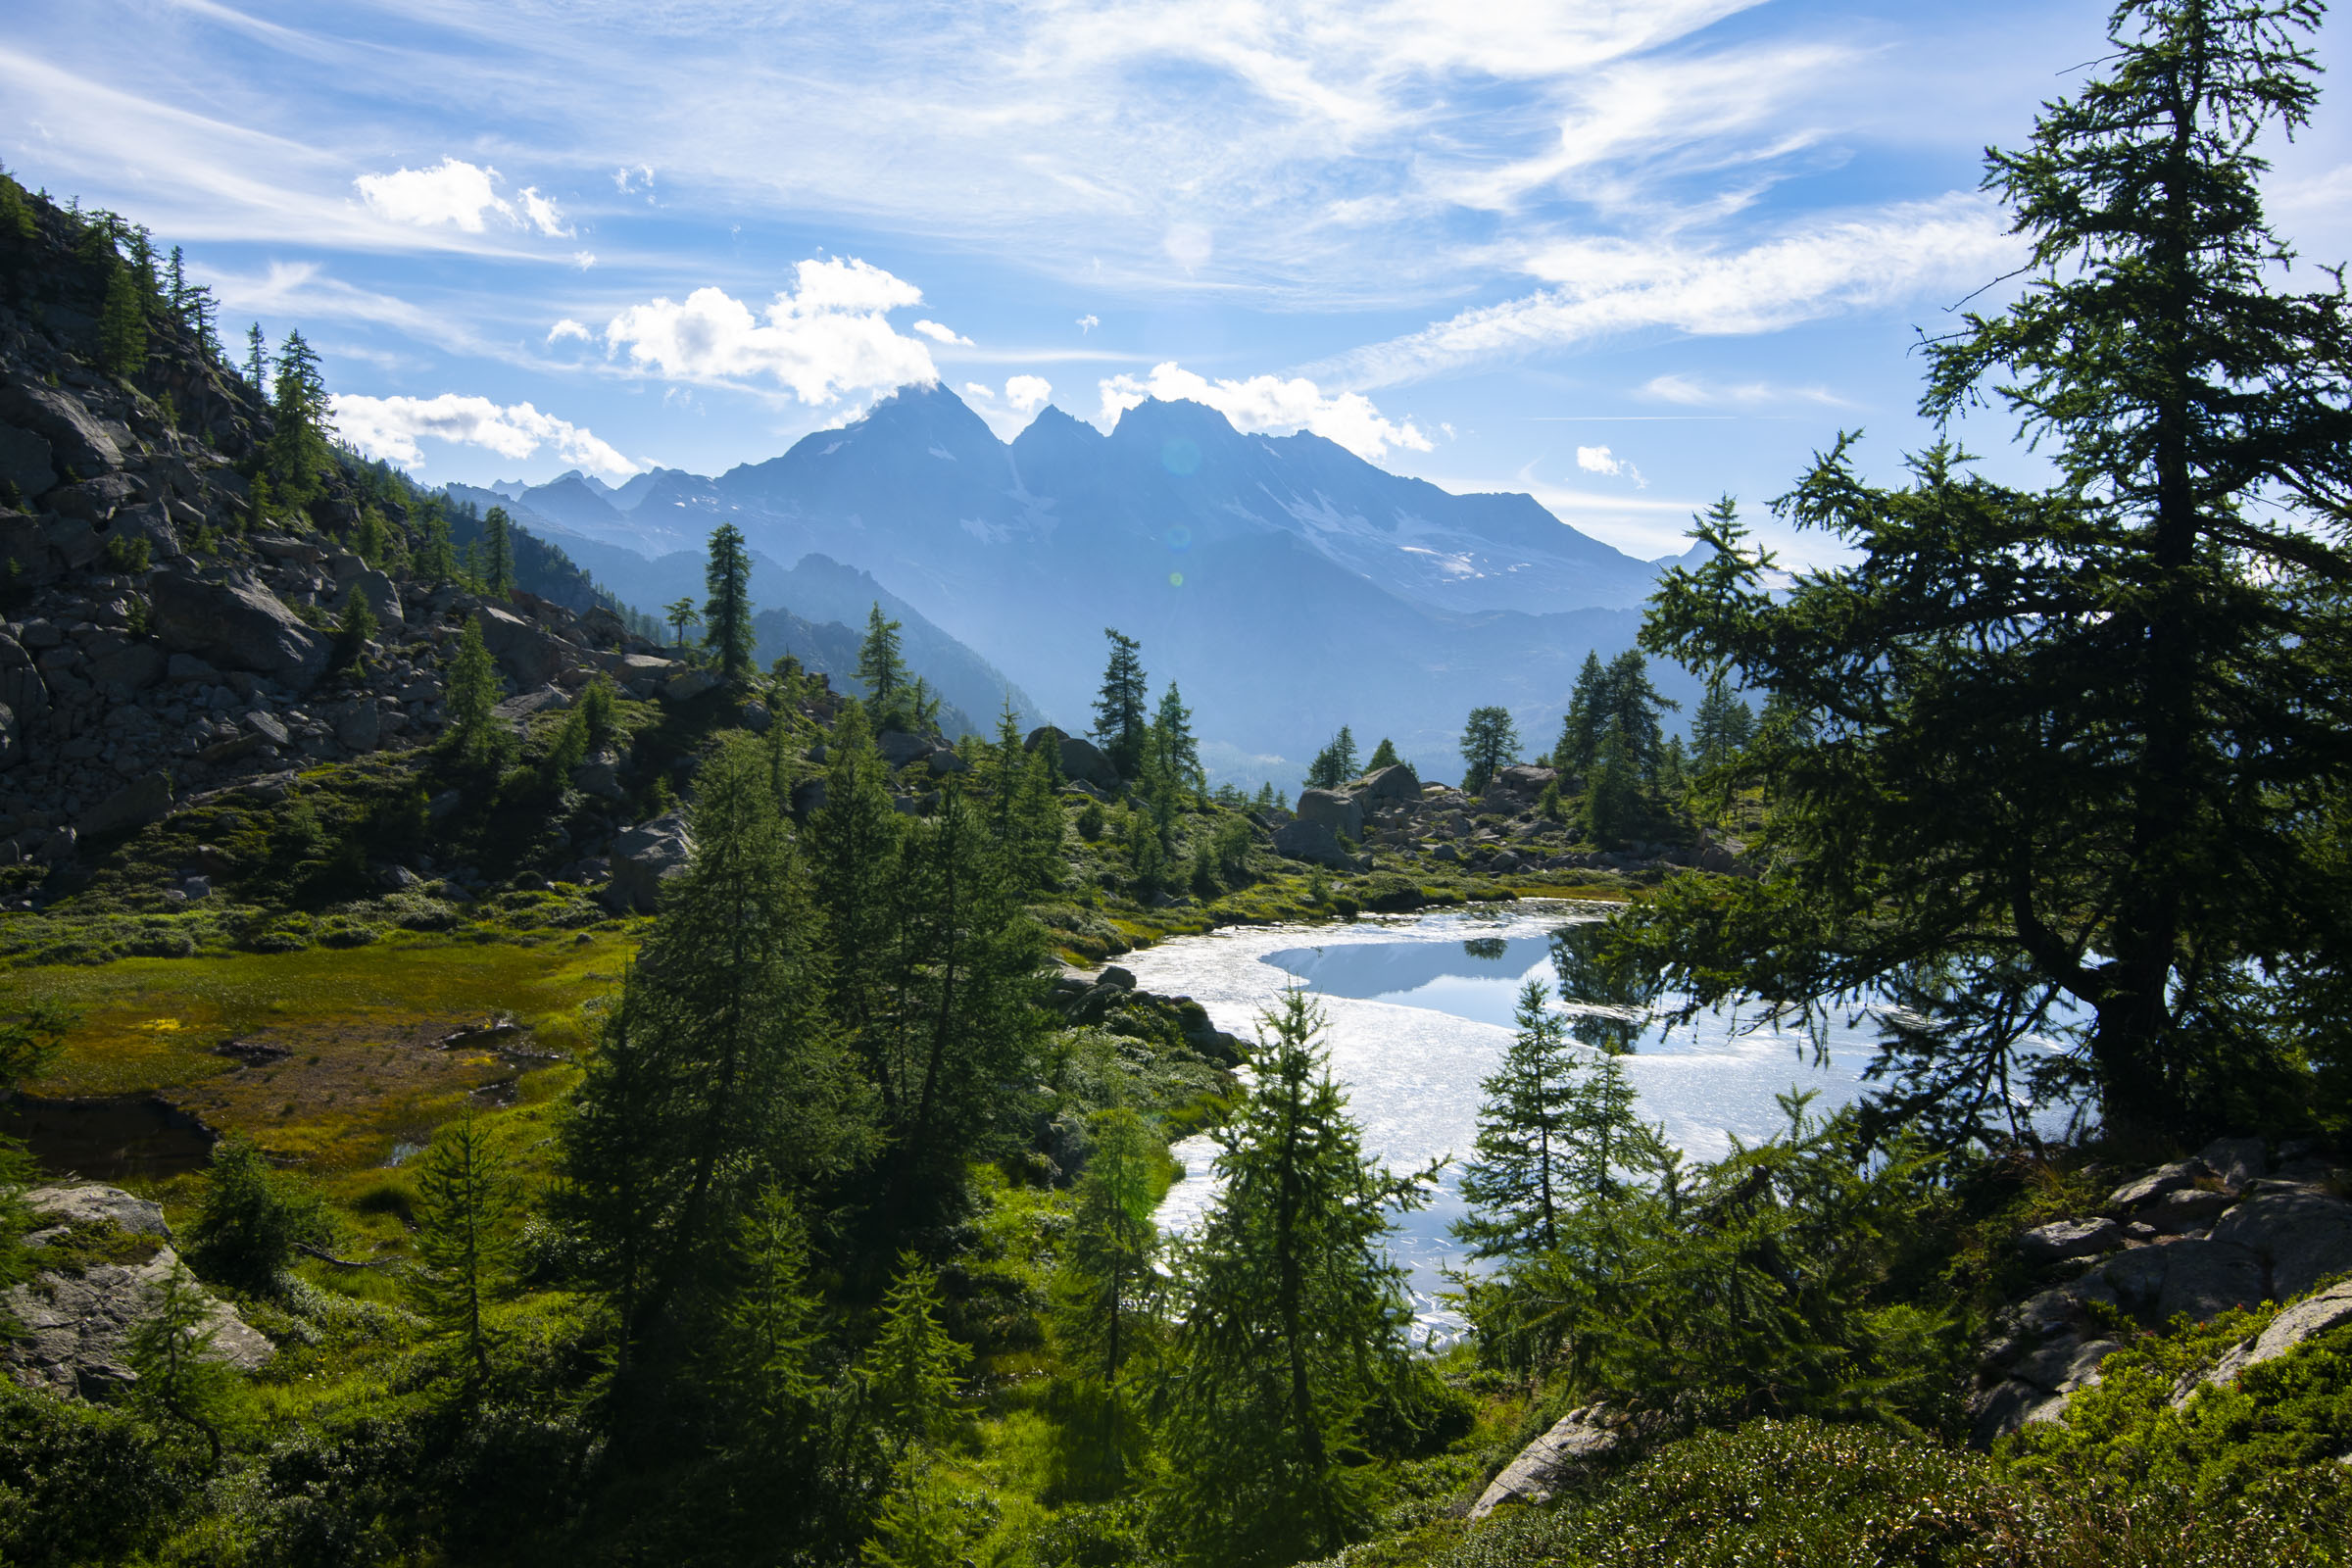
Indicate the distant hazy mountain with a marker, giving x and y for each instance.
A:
(1289, 585)
(816, 610)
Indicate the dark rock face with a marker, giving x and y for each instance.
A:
(1311, 841)
(1396, 783)
(1079, 760)
(646, 856)
(525, 655)
(237, 624)
(1332, 808)
(135, 804)
(2303, 1237)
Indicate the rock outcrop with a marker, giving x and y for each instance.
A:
(646, 856)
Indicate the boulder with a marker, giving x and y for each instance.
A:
(1311, 841)
(2237, 1162)
(1524, 778)
(77, 1326)
(646, 856)
(133, 805)
(599, 774)
(525, 653)
(268, 727)
(1578, 1438)
(92, 500)
(2331, 1308)
(2302, 1235)
(12, 739)
(358, 727)
(136, 666)
(686, 686)
(2185, 1208)
(187, 669)
(1398, 782)
(944, 762)
(237, 624)
(76, 440)
(2068, 1238)
(756, 717)
(1333, 809)
(383, 598)
(2204, 1279)
(1079, 760)
(2009, 1405)
(26, 465)
(808, 796)
(898, 748)
(2158, 1182)
(523, 705)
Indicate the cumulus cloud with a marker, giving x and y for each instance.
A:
(1088, 322)
(1270, 403)
(1606, 287)
(390, 428)
(584, 260)
(1028, 392)
(567, 327)
(462, 195)
(1600, 459)
(941, 335)
(830, 337)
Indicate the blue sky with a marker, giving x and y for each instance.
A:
(1627, 255)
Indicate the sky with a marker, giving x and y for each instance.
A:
(1625, 255)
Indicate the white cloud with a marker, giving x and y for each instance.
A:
(1699, 392)
(452, 191)
(541, 213)
(567, 327)
(830, 338)
(976, 389)
(642, 175)
(390, 428)
(1088, 322)
(1028, 392)
(1600, 460)
(1270, 403)
(1605, 287)
(584, 260)
(941, 334)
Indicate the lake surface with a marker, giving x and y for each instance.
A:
(1420, 1010)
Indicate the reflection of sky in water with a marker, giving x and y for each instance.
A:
(1417, 1022)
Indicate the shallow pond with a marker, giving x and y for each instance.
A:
(1420, 1011)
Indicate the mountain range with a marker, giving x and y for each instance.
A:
(1287, 584)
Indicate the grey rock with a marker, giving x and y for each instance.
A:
(2204, 1279)
(2237, 1162)
(1079, 760)
(2068, 1238)
(756, 717)
(690, 684)
(2067, 1365)
(237, 624)
(525, 704)
(599, 774)
(359, 726)
(1313, 841)
(1117, 977)
(12, 741)
(279, 547)
(268, 727)
(383, 597)
(76, 439)
(187, 669)
(2009, 1405)
(1396, 783)
(899, 748)
(1523, 778)
(26, 461)
(92, 501)
(944, 762)
(2185, 1208)
(93, 1203)
(2302, 1235)
(808, 796)
(2158, 1182)
(2314, 1315)
(1333, 809)
(137, 667)
(1578, 1438)
(133, 805)
(444, 805)
(646, 856)
(528, 655)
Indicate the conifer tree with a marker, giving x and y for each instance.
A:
(727, 612)
(297, 454)
(915, 1366)
(1179, 751)
(1106, 1288)
(1516, 1184)
(2060, 750)
(854, 843)
(465, 1204)
(1720, 726)
(681, 613)
(1121, 718)
(472, 692)
(1614, 811)
(436, 558)
(123, 325)
(881, 665)
(181, 1382)
(257, 360)
(498, 554)
(1293, 1318)
(773, 1326)
(1383, 756)
(1490, 744)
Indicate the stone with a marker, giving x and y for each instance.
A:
(687, 685)
(756, 717)
(523, 705)
(1578, 1438)
(77, 1327)
(599, 774)
(2158, 1182)
(2068, 1238)
(646, 856)
(359, 726)
(137, 667)
(2314, 1315)
(898, 748)
(1114, 975)
(2185, 1208)
(2238, 1161)
(187, 669)
(25, 464)
(2204, 1279)
(133, 805)
(1333, 809)
(808, 796)
(268, 727)
(2009, 1405)
(527, 655)
(1079, 760)
(944, 762)
(76, 440)
(237, 624)
(12, 742)
(1311, 841)
(2067, 1365)
(279, 547)
(1398, 782)
(1524, 778)
(381, 596)
(2302, 1235)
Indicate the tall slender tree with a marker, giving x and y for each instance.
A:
(465, 1206)
(882, 669)
(1179, 750)
(1120, 714)
(498, 554)
(727, 612)
(1517, 1183)
(1490, 744)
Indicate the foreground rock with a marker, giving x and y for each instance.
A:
(1579, 1439)
(646, 856)
(79, 1320)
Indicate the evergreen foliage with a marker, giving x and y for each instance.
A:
(915, 1366)
(1383, 756)
(727, 612)
(296, 456)
(252, 1219)
(1120, 717)
(1335, 765)
(181, 1383)
(498, 554)
(1295, 1320)
(1720, 727)
(465, 1204)
(1179, 752)
(2042, 751)
(681, 613)
(473, 693)
(1490, 744)
(123, 323)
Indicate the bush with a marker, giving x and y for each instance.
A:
(78, 1484)
(253, 1218)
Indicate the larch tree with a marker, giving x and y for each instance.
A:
(466, 1201)
(727, 611)
(498, 554)
(1121, 715)
(1517, 1181)
(1490, 744)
